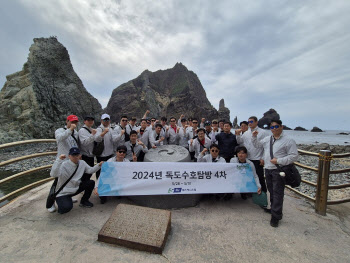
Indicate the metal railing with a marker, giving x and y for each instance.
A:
(322, 185)
(15, 176)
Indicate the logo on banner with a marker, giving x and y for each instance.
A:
(174, 190)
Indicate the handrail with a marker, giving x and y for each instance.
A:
(302, 194)
(26, 157)
(25, 188)
(307, 153)
(340, 186)
(25, 172)
(11, 144)
(339, 171)
(341, 155)
(306, 167)
(336, 202)
(309, 183)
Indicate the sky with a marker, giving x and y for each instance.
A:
(292, 56)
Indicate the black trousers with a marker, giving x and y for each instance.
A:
(65, 203)
(260, 172)
(275, 185)
(100, 159)
(90, 161)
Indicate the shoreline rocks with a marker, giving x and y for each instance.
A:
(300, 129)
(316, 129)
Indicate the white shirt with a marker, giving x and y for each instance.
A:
(183, 139)
(145, 136)
(153, 139)
(109, 139)
(136, 149)
(86, 141)
(256, 178)
(173, 136)
(254, 153)
(284, 149)
(63, 169)
(209, 159)
(65, 141)
(196, 146)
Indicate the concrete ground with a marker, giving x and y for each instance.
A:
(214, 231)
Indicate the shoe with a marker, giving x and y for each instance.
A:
(274, 222)
(244, 196)
(52, 209)
(267, 210)
(74, 200)
(103, 199)
(86, 204)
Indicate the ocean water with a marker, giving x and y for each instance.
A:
(331, 137)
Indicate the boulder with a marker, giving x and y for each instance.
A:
(270, 115)
(300, 129)
(36, 100)
(316, 129)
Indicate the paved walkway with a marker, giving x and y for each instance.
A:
(214, 231)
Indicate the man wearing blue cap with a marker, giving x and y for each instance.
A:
(72, 170)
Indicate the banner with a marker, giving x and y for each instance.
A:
(162, 178)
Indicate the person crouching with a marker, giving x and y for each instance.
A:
(64, 169)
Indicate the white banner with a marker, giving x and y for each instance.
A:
(126, 179)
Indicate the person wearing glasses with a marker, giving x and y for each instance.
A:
(213, 157)
(120, 129)
(120, 157)
(105, 133)
(173, 132)
(192, 134)
(183, 139)
(144, 133)
(255, 154)
(285, 152)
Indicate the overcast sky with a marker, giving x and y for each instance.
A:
(293, 56)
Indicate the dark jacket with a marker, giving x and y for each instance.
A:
(227, 144)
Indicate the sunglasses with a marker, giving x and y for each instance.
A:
(106, 120)
(153, 120)
(195, 122)
(250, 121)
(124, 152)
(274, 127)
(124, 120)
(172, 121)
(214, 151)
(214, 122)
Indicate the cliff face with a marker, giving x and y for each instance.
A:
(36, 100)
(170, 92)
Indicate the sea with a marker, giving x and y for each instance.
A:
(331, 137)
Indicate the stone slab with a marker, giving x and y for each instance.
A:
(168, 153)
(137, 227)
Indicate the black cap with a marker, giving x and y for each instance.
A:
(89, 118)
(207, 123)
(74, 151)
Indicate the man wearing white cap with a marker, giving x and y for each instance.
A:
(106, 134)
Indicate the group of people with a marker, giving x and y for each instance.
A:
(206, 141)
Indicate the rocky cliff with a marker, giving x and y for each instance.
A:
(36, 100)
(170, 92)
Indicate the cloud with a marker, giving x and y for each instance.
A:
(287, 55)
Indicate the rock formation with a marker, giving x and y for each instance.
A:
(316, 129)
(270, 115)
(36, 100)
(170, 92)
(224, 113)
(300, 129)
(235, 124)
